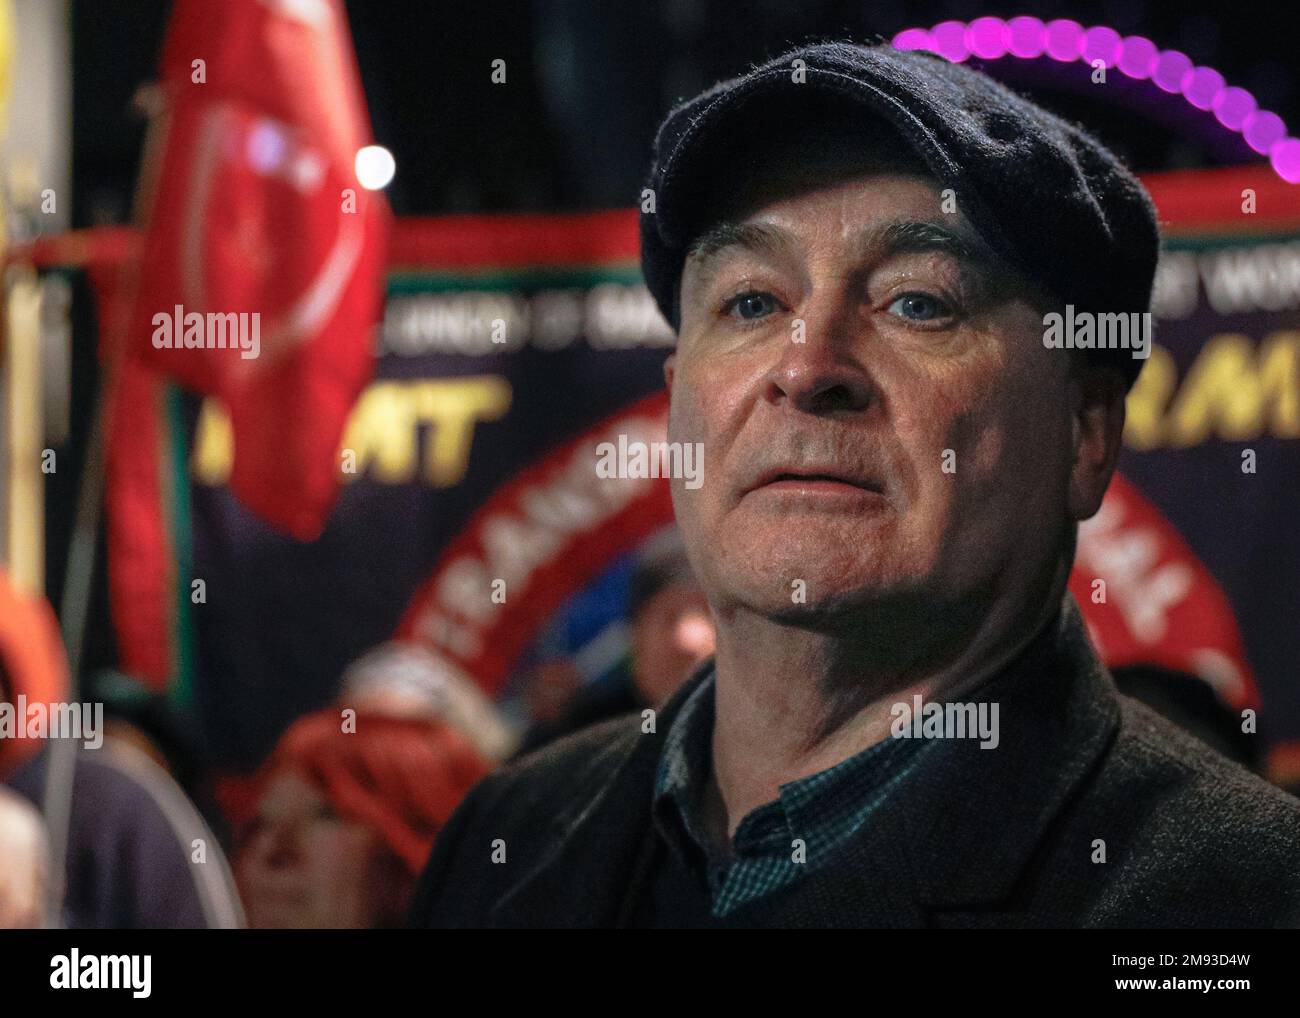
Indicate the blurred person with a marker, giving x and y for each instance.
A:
(406, 680)
(138, 854)
(671, 633)
(671, 628)
(904, 724)
(550, 687)
(24, 863)
(345, 816)
(145, 721)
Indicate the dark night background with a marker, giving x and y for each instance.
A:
(588, 80)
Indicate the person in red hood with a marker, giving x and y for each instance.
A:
(347, 809)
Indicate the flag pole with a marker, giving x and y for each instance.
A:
(74, 608)
(60, 773)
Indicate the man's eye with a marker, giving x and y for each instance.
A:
(750, 306)
(919, 307)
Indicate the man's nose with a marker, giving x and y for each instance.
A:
(820, 369)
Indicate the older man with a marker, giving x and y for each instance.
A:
(904, 723)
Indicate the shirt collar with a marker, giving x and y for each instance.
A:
(684, 766)
(818, 808)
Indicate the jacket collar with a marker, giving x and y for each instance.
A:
(957, 833)
(583, 879)
(969, 819)
(960, 830)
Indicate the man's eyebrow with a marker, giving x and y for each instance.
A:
(905, 236)
(918, 236)
(724, 235)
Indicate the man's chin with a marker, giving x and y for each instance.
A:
(787, 594)
(808, 540)
(836, 557)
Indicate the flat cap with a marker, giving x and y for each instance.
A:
(1049, 198)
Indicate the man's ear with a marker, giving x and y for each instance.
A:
(669, 367)
(1097, 431)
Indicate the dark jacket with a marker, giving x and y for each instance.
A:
(975, 837)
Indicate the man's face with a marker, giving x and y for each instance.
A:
(879, 416)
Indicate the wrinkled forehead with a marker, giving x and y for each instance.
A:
(844, 226)
(884, 200)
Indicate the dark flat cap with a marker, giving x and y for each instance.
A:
(1046, 196)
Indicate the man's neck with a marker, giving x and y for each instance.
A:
(791, 701)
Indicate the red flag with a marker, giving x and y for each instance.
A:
(261, 274)
(1148, 600)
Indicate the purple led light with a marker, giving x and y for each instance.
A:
(1262, 130)
(1137, 56)
(1201, 86)
(1285, 158)
(1028, 37)
(1169, 69)
(1064, 39)
(913, 38)
(988, 38)
(1101, 43)
(950, 40)
(1232, 106)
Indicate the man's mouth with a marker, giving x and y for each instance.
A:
(816, 482)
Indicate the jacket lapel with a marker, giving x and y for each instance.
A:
(959, 831)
